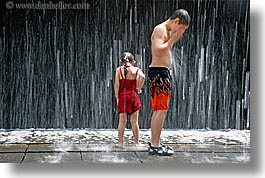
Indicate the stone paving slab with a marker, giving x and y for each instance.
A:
(11, 157)
(71, 147)
(187, 157)
(4, 148)
(202, 148)
(52, 158)
(110, 157)
(110, 148)
(41, 148)
(217, 157)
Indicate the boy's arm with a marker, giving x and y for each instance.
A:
(158, 41)
(161, 44)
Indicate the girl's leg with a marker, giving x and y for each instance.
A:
(135, 127)
(121, 127)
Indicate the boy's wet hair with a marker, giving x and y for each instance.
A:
(183, 15)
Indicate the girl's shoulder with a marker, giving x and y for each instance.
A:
(119, 68)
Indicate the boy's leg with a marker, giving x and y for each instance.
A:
(157, 122)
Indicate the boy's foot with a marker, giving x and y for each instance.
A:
(161, 150)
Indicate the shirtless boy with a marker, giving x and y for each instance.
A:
(163, 38)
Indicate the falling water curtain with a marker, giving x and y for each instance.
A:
(58, 60)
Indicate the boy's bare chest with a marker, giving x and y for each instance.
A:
(167, 35)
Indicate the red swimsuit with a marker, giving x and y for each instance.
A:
(129, 100)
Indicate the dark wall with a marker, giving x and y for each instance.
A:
(57, 66)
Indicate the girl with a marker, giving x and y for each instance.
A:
(128, 85)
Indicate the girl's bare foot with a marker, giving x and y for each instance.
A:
(120, 145)
(138, 145)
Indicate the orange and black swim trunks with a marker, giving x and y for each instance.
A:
(159, 80)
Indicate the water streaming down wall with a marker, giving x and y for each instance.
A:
(57, 66)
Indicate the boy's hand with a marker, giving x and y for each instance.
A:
(177, 35)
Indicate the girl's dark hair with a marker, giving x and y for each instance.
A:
(126, 57)
(183, 15)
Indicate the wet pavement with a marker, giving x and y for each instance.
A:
(99, 146)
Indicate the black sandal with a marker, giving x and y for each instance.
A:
(162, 150)
(167, 147)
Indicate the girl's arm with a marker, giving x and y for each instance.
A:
(117, 83)
(141, 80)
